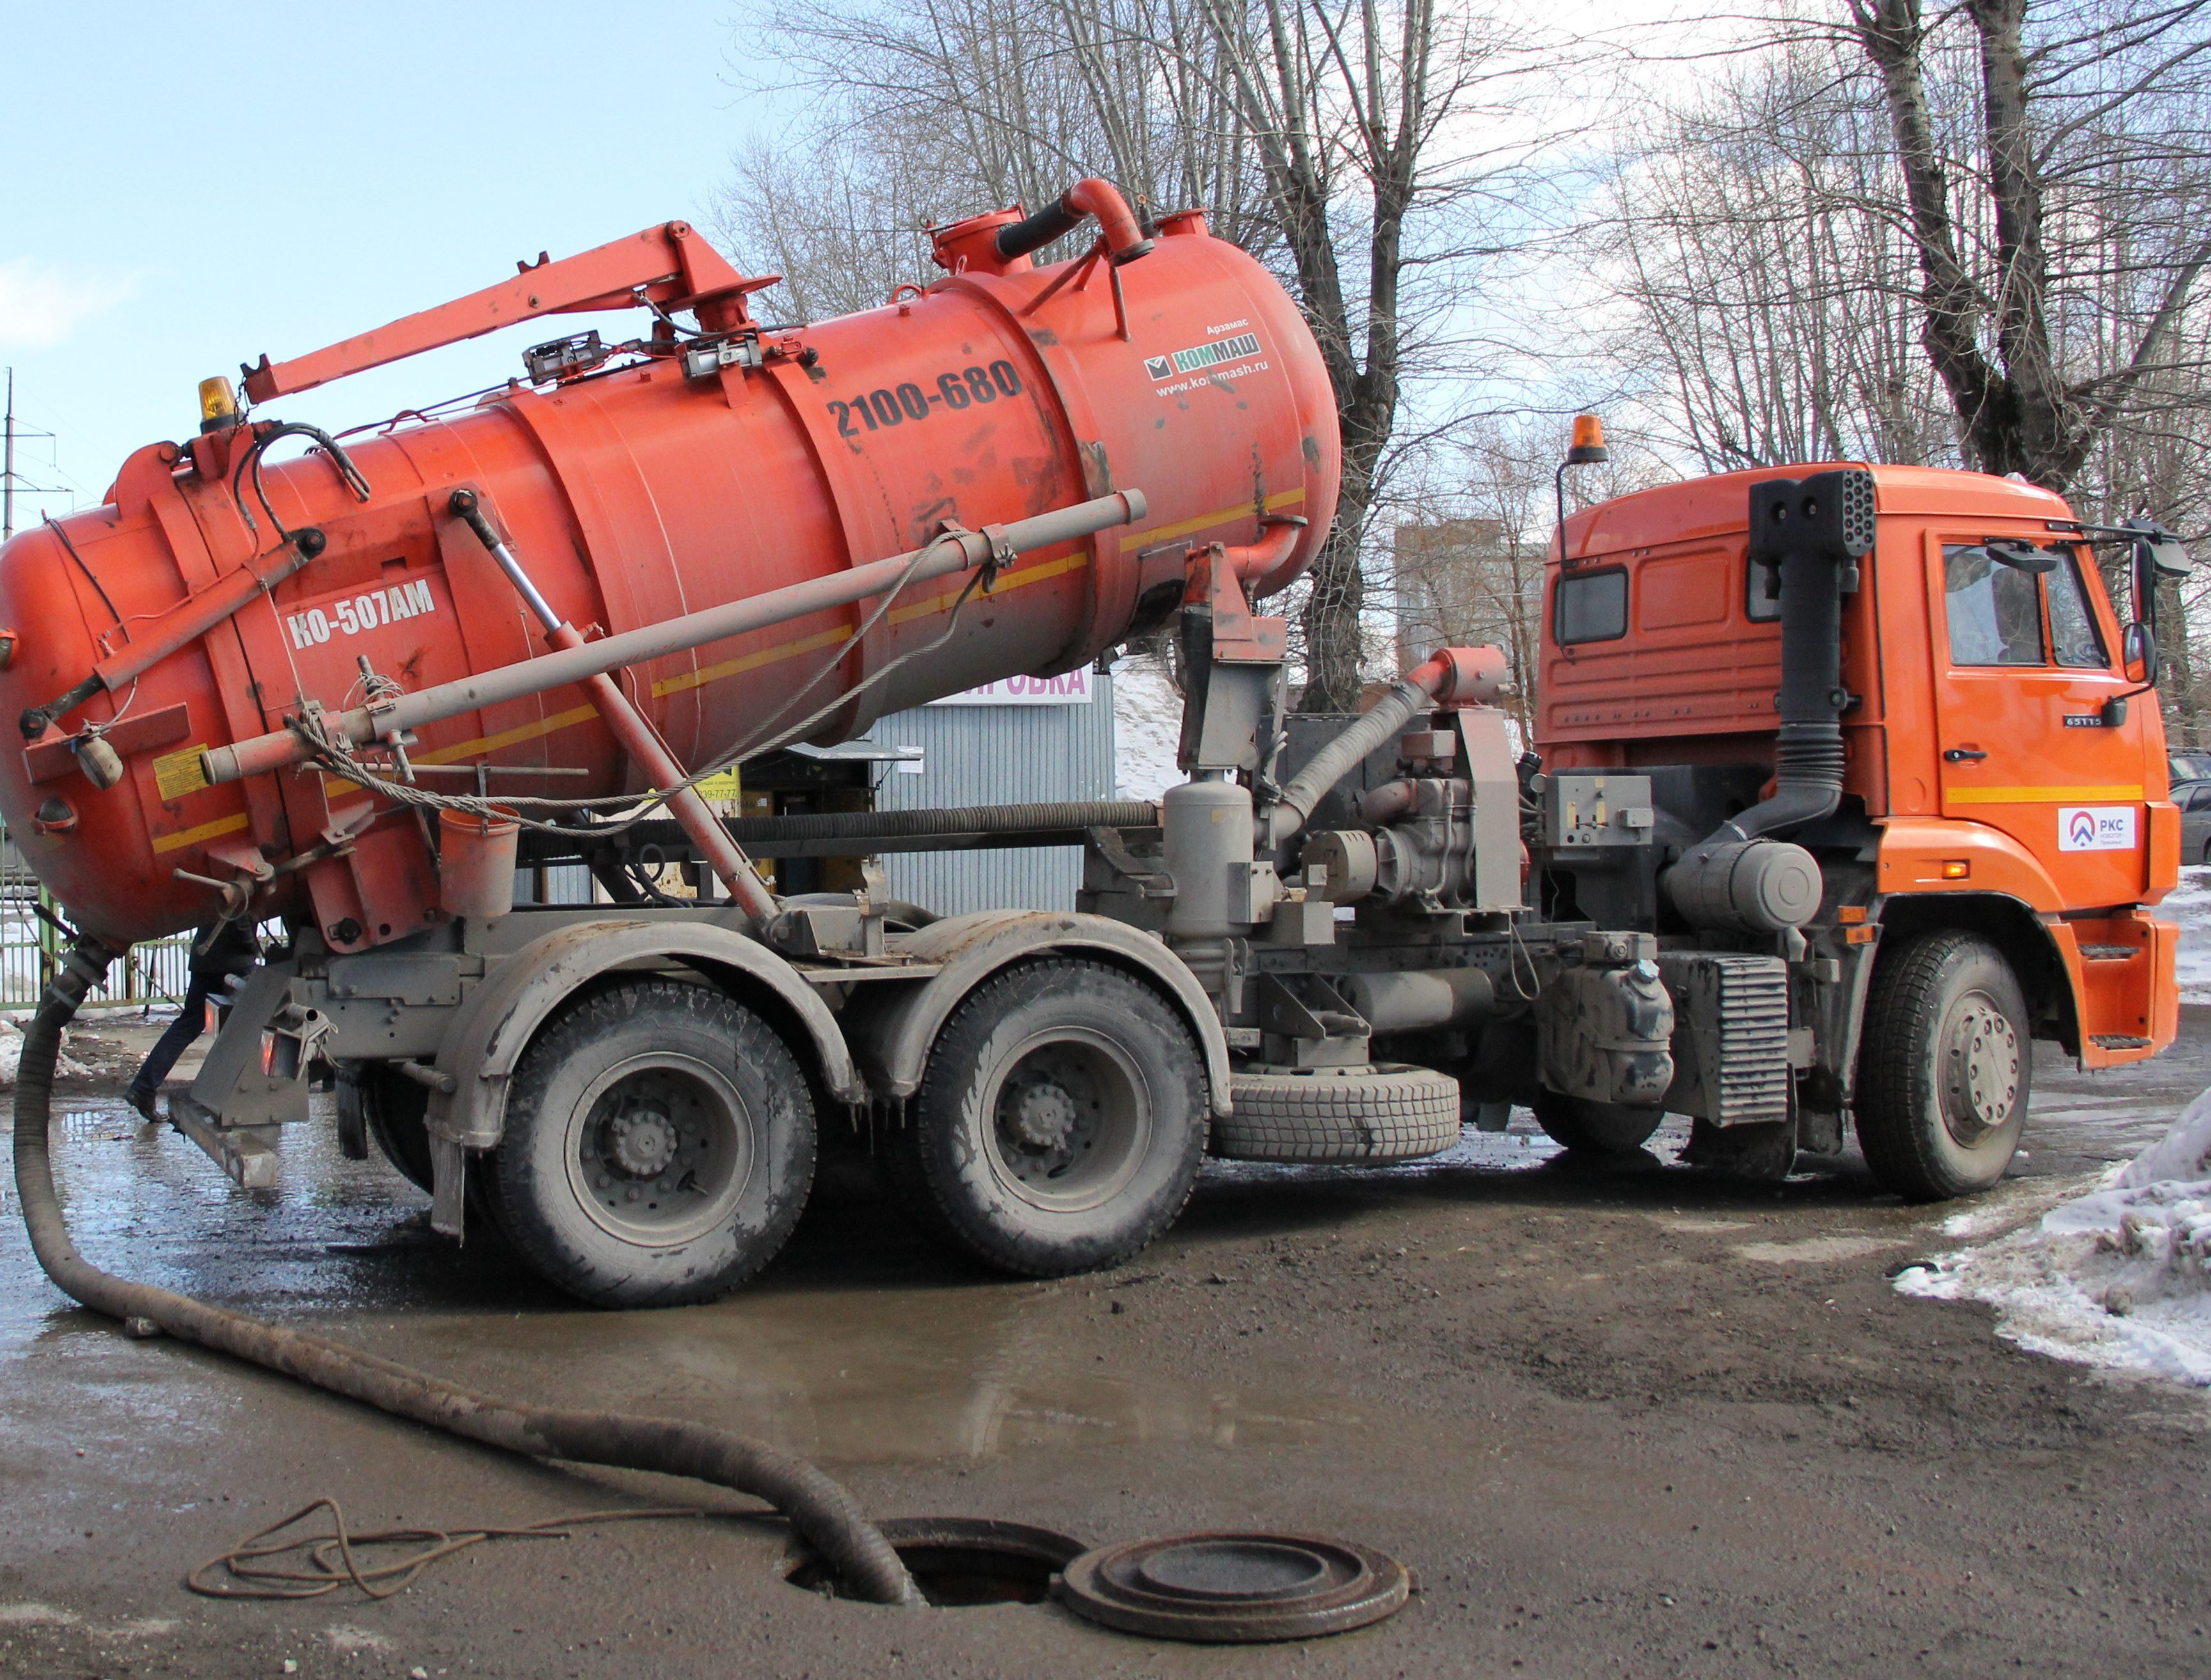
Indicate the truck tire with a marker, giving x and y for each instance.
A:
(659, 1147)
(1061, 1123)
(1945, 1067)
(1597, 1128)
(1388, 1112)
(389, 1109)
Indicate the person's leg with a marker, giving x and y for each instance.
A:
(190, 1020)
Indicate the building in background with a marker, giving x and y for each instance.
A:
(1024, 741)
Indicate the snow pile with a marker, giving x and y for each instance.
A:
(2120, 1277)
(2189, 905)
(1147, 728)
(11, 1052)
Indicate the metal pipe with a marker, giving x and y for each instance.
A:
(1812, 532)
(955, 551)
(848, 833)
(635, 736)
(820, 1509)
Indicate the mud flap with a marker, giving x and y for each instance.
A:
(449, 1180)
(1763, 1152)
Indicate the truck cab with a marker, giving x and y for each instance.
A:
(1988, 870)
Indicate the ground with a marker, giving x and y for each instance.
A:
(1637, 1422)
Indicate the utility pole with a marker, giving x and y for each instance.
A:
(10, 483)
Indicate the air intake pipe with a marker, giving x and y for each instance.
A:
(1808, 535)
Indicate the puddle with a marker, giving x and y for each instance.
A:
(863, 1347)
(881, 1375)
(1813, 1250)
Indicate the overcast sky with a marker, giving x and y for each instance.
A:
(185, 188)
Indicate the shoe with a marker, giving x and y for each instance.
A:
(143, 1102)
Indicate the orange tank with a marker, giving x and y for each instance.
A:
(634, 492)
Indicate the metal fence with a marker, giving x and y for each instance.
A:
(990, 754)
(32, 944)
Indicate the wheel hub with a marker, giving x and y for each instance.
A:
(1069, 1119)
(1984, 1071)
(1044, 1115)
(642, 1141)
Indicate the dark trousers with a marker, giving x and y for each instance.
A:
(191, 1022)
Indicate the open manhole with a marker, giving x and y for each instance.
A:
(1234, 1588)
(961, 1561)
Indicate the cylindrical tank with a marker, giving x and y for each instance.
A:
(635, 495)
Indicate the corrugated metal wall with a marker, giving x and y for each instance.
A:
(996, 755)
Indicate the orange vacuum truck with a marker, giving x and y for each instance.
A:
(1850, 783)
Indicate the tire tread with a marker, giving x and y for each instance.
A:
(1894, 1087)
(921, 1174)
(1393, 1114)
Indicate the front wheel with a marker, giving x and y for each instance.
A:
(659, 1147)
(1944, 1067)
(1061, 1124)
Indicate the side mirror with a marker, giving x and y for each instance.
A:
(2139, 651)
(2158, 554)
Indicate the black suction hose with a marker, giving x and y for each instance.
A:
(819, 1508)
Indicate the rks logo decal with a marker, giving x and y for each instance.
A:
(2096, 828)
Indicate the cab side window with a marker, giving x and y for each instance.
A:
(1758, 607)
(2073, 636)
(1591, 607)
(1994, 610)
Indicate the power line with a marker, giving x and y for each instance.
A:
(10, 479)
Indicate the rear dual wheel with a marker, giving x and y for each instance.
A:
(1061, 1123)
(659, 1147)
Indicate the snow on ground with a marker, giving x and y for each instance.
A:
(1148, 727)
(2119, 1277)
(2189, 905)
(11, 1054)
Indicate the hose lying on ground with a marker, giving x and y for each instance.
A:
(818, 1507)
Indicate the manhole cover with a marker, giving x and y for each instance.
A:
(1234, 1588)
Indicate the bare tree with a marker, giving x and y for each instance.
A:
(1467, 569)
(1972, 236)
(1475, 521)
(2060, 228)
(2019, 190)
(1766, 281)
(1337, 140)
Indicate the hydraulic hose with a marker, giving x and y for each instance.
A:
(1461, 675)
(819, 1508)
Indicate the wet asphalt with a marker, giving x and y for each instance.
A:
(1632, 1421)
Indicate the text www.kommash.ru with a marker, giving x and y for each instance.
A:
(1220, 377)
